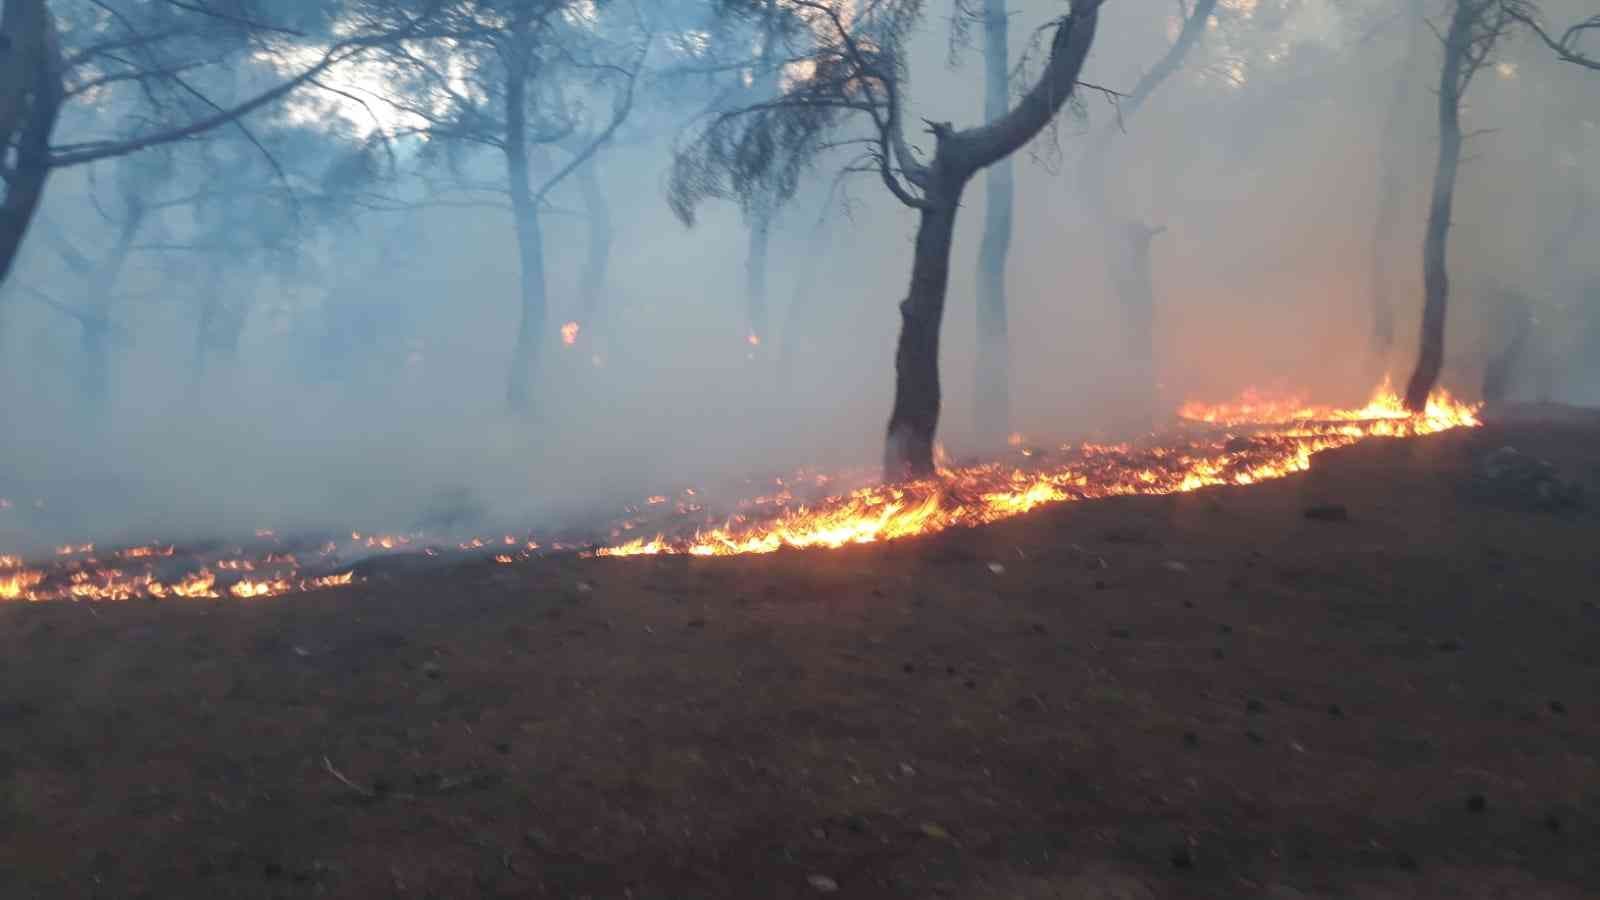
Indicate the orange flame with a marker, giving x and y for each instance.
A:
(569, 333)
(1285, 435)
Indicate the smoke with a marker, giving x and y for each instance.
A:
(366, 390)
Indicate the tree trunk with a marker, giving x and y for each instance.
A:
(94, 339)
(592, 279)
(992, 393)
(755, 279)
(1435, 276)
(908, 451)
(30, 100)
(957, 156)
(530, 242)
(205, 332)
(1135, 288)
(1392, 178)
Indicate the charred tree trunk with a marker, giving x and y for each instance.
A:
(530, 241)
(908, 452)
(1500, 374)
(1127, 242)
(30, 100)
(992, 393)
(1392, 178)
(957, 157)
(592, 279)
(1135, 288)
(1453, 79)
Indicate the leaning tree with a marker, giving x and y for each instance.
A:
(1476, 28)
(850, 69)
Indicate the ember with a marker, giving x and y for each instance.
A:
(1257, 439)
(1253, 439)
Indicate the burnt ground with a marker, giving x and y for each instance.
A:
(1208, 695)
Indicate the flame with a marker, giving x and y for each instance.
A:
(569, 333)
(1257, 437)
(753, 339)
(1284, 434)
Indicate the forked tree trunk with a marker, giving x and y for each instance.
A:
(908, 452)
(957, 157)
(30, 100)
(1392, 178)
(992, 393)
(1435, 276)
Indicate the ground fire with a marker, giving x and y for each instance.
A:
(1255, 438)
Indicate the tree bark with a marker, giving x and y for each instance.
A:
(957, 157)
(1435, 276)
(908, 452)
(1392, 177)
(30, 100)
(530, 240)
(992, 393)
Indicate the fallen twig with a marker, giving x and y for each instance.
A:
(328, 764)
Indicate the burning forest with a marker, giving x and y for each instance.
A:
(1254, 439)
(396, 395)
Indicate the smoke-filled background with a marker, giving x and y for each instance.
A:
(311, 325)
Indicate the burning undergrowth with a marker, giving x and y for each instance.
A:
(1253, 439)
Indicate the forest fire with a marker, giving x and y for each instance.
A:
(1254, 439)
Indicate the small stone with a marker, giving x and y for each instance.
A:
(1190, 739)
(1477, 803)
(1099, 585)
(856, 824)
(502, 747)
(1255, 706)
(1327, 512)
(1188, 604)
(1217, 653)
(1334, 711)
(1255, 737)
(1182, 857)
(1552, 822)
(1173, 565)
(1122, 633)
(1225, 628)
(1557, 707)
(432, 670)
(1448, 645)
(822, 883)
(1038, 628)
(937, 832)
(907, 770)
(697, 623)
(1405, 861)
(971, 684)
(997, 568)
(908, 668)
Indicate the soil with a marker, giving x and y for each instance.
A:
(1205, 695)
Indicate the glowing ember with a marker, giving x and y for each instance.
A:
(1255, 438)
(1278, 439)
(753, 339)
(569, 333)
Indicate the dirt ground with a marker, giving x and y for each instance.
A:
(1207, 695)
